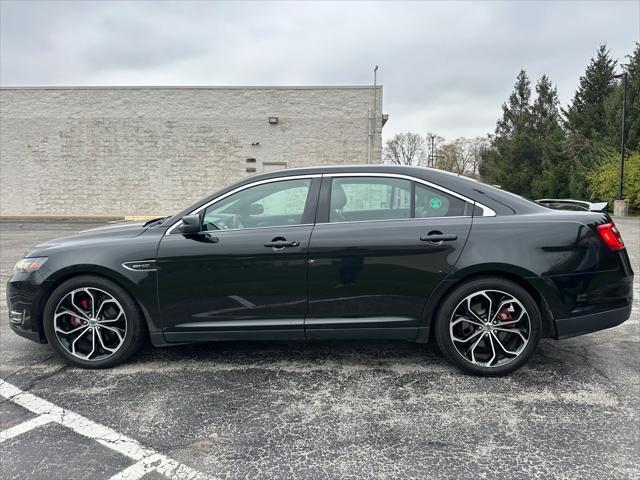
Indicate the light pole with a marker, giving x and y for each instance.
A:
(371, 114)
(620, 206)
(375, 105)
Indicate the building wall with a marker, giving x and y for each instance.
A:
(139, 151)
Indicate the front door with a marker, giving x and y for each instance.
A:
(380, 247)
(244, 276)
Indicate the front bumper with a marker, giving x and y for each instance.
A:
(29, 334)
(571, 327)
(25, 306)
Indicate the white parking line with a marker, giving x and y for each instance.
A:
(24, 427)
(147, 459)
(159, 463)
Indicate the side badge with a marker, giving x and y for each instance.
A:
(141, 266)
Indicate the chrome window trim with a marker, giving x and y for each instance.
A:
(392, 220)
(224, 230)
(486, 211)
(239, 189)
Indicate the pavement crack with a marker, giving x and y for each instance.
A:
(32, 383)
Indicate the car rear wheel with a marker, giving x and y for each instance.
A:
(92, 322)
(488, 326)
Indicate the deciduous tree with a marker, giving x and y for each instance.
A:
(405, 149)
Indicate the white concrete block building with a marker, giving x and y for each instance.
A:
(115, 151)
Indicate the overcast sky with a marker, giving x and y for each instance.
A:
(446, 67)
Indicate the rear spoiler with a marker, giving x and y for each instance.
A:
(598, 207)
(570, 204)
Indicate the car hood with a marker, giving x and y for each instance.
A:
(117, 230)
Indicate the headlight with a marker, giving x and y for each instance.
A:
(29, 264)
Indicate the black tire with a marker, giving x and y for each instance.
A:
(135, 329)
(459, 294)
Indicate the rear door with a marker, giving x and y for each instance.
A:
(381, 245)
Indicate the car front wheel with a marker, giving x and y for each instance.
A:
(488, 326)
(92, 322)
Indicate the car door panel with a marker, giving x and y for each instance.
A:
(233, 282)
(373, 278)
(380, 271)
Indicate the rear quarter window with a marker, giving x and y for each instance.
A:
(431, 202)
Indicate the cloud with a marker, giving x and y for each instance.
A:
(445, 66)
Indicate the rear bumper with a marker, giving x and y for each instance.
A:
(571, 327)
(583, 303)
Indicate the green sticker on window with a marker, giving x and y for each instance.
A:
(435, 203)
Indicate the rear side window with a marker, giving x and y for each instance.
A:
(431, 202)
(356, 199)
(369, 198)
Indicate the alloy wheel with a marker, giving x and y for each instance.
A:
(490, 328)
(90, 323)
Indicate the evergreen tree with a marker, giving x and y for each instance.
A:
(587, 121)
(546, 110)
(633, 100)
(553, 179)
(614, 105)
(535, 152)
(516, 113)
(587, 113)
(514, 159)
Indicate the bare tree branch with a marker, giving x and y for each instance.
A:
(405, 149)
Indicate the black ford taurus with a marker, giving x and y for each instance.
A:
(332, 253)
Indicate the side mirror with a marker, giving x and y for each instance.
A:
(256, 209)
(191, 224)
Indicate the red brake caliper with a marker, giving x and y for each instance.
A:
(76, 321)
(505, 315)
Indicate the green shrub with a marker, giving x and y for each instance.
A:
(604, 181)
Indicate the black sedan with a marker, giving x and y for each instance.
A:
(332, 253)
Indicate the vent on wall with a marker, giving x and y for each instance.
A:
(251, 165)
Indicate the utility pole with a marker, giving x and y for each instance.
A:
(432, 153)
(431, 161)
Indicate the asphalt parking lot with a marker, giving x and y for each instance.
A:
(366, 410)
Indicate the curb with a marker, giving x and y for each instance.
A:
(68, 218)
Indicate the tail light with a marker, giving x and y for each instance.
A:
(611, 236)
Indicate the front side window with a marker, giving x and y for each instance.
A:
(271, 204)
(431, 202)
(369, 198)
